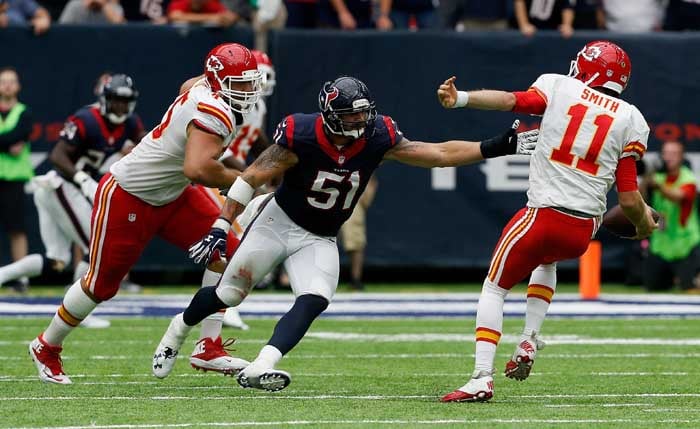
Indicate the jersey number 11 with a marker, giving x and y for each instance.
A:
(588, 163)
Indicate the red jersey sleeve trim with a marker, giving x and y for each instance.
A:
(540, 93)
(205, 128)
(636, 148)
(531, 101)
(390, 127)
(81, 128)
(217, 113)
(289, 132)
(626, 175)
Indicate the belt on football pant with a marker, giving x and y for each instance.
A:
(574, 212)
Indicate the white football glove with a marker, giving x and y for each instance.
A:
(527, 141)
(87, 185)
(510, 143)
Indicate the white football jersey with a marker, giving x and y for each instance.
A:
(153, 171)
(583, 134)
(248, 133)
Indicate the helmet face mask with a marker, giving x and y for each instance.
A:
(241, 93)
(347, 108)
(118, 98)
(232, 73)
(268, 71)
(269, 82)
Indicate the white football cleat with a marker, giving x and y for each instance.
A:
(518, 368)
(47, 359)
(211, 355)
(232, 319)
(260, 377)
(169, 346)
(94, 322)
(478, 389)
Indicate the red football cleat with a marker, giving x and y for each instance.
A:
(478, 389)
(212, 355)
(47, 359)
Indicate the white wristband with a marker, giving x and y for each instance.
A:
(462, 99)
(241, 191)
(222, 223)
(80, 177)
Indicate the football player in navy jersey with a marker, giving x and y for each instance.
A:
(327, 159)
(91, 140)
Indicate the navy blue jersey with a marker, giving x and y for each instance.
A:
(96, 139)
(321, 190)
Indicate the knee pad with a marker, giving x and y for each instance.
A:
(230, 295)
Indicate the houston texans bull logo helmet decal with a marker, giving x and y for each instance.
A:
(330, 93)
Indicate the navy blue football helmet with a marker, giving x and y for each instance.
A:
(118, 98)
(343, 96)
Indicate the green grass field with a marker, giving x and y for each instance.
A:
(390, 373)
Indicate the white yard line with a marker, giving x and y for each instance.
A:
(370, 422)
(331, 397)
(338, 374)
(552, 339)
(596, 405)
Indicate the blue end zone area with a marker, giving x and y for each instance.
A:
(379, 305)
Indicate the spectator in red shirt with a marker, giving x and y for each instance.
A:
(207, 12)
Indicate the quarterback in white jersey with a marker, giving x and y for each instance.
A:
(148, 194)
(589, 140)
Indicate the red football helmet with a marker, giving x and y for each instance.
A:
(265, 66)
(602, 63)
(229, 64)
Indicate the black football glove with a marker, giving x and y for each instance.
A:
(510, 143)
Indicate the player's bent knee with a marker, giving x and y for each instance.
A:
(104, 293)
(230, 295)
(547, 267)
(313, 304)
(490, 287)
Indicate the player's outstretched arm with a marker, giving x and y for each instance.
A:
(454, 153)
(485, 99)
(451, 153)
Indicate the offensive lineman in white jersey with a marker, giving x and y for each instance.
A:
(149, 193)
(589, 140)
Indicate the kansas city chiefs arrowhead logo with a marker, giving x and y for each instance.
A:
(214, 64)
(591, 53)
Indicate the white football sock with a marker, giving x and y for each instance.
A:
(211, 326)
(489, 325)
(268, 357)
(29, 266)
(76, 306)
(540, 290)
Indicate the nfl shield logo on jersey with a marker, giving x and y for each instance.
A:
(132, 217)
